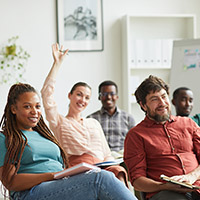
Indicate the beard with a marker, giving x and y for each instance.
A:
(157, 117)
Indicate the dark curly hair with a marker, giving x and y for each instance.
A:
(150, 84)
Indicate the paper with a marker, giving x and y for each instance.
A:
(77, 169)
(191, 58)
(168, 179)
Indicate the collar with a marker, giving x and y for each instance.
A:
(149, 122)
(103, 110)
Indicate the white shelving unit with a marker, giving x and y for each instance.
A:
(147, 42)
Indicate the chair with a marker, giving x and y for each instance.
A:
(143, 195)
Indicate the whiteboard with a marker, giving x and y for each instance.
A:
(185, 69)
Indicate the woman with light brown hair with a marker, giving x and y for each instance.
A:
(82, 138)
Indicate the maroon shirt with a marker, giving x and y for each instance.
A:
(152, 149)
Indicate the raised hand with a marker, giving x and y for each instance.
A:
(58, 56)
(58, 53)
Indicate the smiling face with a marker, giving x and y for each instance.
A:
(183, 103)
(79, 98)
(157, 106)
(27, 110)
(108, 97)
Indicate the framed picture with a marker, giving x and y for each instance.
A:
(80, 25)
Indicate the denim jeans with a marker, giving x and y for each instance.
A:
(101, 185)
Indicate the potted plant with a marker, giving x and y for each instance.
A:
(13, 59)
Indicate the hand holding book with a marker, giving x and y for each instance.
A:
(184, 184)
(83, 167)
(77, 169)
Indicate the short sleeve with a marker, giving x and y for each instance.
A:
(3, 149)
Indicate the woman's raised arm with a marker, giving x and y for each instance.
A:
(58, 55)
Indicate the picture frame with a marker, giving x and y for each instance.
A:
(80, 25)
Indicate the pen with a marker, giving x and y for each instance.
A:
(63, 51)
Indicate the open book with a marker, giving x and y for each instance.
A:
(77, 169)
(188, 185)
(110, 163)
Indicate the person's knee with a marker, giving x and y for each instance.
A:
(107, 173)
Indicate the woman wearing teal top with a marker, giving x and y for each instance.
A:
(30, 156)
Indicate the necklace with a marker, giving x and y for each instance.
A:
(77, 120)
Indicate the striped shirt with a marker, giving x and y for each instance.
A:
(115, 127)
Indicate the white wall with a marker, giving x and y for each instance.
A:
(35, 23)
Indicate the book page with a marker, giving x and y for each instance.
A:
(188, 185)
(77, 169)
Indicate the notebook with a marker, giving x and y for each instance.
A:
(168, 179)
(110, 163)
(77, 169)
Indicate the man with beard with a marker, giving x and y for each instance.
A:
(115, 122)
(183, 101)
(162, 144)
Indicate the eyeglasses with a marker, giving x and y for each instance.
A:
(105, 94)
